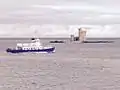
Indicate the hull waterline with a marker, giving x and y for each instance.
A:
(48, 50)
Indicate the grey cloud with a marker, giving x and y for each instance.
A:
(64, 14)
(48, 15)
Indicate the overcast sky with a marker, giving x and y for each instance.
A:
(59, 17)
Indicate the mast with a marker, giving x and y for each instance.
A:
(36, 34)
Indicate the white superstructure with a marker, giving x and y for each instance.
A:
(35, 44)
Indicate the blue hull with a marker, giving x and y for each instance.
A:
(49, 50)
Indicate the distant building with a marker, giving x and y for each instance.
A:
(82, 34)
(71, 37)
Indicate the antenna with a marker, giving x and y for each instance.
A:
(36, 33)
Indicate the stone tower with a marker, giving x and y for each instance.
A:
(82, 34)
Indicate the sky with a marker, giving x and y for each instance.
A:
(59, 18)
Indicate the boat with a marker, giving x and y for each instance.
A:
(34, 46)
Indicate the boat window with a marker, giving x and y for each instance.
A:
(19, 48)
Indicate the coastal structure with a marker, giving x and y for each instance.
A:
(72, 37)
(82, 34)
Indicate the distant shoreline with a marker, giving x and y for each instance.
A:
(28, 38)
